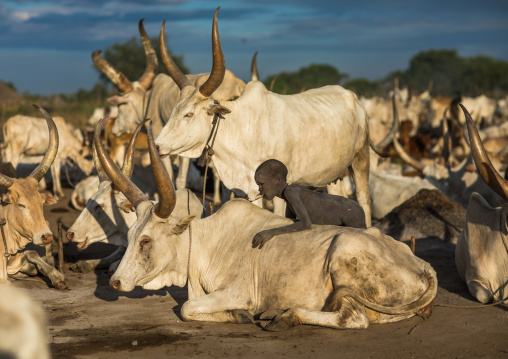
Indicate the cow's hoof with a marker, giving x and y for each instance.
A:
(242, 317)
(81, 267)
(61, 284)
(285, 321)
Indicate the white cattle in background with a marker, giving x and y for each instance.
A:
(27, 136)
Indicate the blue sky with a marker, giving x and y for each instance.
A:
(45, 45)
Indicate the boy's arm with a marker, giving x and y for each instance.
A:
(293, 196)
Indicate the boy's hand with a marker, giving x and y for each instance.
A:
(261, 238)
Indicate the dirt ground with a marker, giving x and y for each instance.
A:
(92, 320)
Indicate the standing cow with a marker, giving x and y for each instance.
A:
(351, 277)
(481, 255)
(318, 134)
(24, 218)
(25, 135)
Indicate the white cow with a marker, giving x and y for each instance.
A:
(318, 134)
(154, 96)
(24, 218)
(481, 255)
(351, 277)
(108, 215)
(26, 136)
(23, 332)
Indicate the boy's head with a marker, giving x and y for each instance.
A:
(271, 178)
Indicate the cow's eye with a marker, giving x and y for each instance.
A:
(145, 241)
(189, 115)
(21, 205)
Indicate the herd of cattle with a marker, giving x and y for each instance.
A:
(324, 136)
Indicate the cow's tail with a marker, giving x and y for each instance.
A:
(420, 303)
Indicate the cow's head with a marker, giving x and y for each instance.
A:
(108, 214)
(481, 255)
(131, 101)
(21, 201)
(189, 126)
(157, 252)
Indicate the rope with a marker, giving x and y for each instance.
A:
(67, 175)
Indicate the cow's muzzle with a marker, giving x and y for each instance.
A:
(70, 236)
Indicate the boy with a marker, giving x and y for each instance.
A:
(308, 207)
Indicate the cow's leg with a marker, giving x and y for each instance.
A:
(48, 258)
(351, 315)
(166, 161)
(85, 266)
(57, 278)
(55, 174)
(183, 169)
(216, 188)
(219, 306)
(360, 167)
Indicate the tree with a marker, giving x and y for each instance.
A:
(364, 87)
(312, 76)
(129, 58)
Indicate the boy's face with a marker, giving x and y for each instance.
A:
(269, 186)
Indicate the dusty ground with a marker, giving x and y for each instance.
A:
(91, 320)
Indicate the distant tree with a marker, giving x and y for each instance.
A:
(11, 86)
(312, 76)
(129, 58)
(364, 87)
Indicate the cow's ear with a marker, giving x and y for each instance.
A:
(126, 206)
(6, 199)
(49, 199)
(217, 108)
(183, 223)
(117, 100)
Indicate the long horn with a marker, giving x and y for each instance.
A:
(100, 170)
(482, 161)
(406, 157)
(176, 74)
(119, 79)
(128, 162)
(145, 81)
(272, 83)
(447, 141)
(393, 131)
(254, 74)
(50, 155)
(167, 195)
(219, 65)
(129, 189)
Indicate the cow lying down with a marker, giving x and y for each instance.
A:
(330, 276)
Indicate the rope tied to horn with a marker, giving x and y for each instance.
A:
(208, 152)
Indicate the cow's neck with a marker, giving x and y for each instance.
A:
(14, 240)
(235, 136)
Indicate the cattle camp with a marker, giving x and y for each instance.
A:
(174, 212)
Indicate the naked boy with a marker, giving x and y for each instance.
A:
(306, 206)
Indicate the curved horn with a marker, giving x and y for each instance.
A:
(6, 181)
(119, 79)
(100, 170)
(128, 162)
(145, 81)
(482, 161)
(50, 155)
(254, 74)
(176, 74)
(406, 157)
(272, 83)
(167, 195)
(129, 189)
(447, 142)
(393, 130)
(219, 65)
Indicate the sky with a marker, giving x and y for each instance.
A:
(46, 45)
